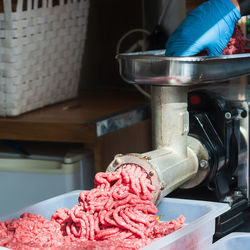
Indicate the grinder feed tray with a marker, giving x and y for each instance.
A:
(154, 68)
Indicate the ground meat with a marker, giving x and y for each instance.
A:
(238, 44)
(29, 231)
(116, 214)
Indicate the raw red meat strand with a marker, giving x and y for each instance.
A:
(238, 44)
(119, 208)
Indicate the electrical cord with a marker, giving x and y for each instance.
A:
(140, 43)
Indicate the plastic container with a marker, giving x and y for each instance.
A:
(200, 223)
(233, 241)
(25, 181)
(196, 234)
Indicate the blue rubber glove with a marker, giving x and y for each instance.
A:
(209, 27)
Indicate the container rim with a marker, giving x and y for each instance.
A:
(230, 236)
(216, 209)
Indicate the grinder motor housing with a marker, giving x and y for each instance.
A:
(201, 150)
(222, 126)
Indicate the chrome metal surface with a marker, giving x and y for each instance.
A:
(166, 169)
(202, 155)
(243, 165)
(170, 118)
(120, 120)
(172, 163)
(154, 68)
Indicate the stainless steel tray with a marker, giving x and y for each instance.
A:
(154, 68)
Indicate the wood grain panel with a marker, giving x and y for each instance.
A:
(70, 121)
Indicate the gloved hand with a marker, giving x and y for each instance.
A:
(209, 27)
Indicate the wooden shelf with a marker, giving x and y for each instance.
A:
(69, 121)
(74, 121)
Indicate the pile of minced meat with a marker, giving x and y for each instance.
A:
(116, 214)
(237, 44)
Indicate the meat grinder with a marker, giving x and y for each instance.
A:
(200, 139)
(176, 157)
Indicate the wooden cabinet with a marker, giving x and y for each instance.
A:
(75, 121)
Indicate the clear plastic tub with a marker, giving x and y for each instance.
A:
(196, 234)
(200, 223)
(233, 241)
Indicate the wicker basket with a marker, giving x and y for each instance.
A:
(41, 49)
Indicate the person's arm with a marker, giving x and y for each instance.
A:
(236, 3)
(207, 28)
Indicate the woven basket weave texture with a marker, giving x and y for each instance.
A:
(41, 49)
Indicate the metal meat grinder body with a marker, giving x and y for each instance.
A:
(222, 126)
(172, 162)
(200, 150)
(200, 139)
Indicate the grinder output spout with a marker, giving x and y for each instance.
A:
(166, 170)
(173, 162)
